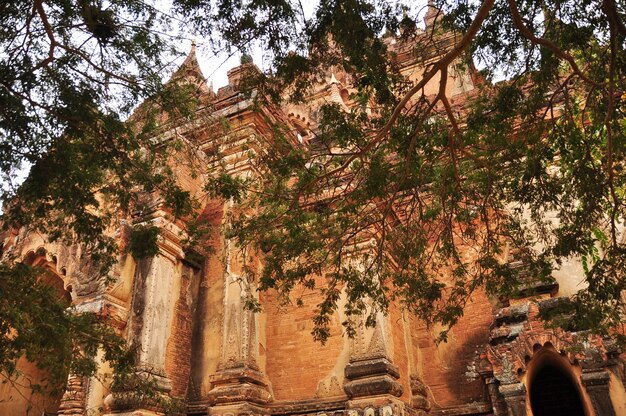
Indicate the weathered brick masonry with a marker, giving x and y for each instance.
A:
(202, 346)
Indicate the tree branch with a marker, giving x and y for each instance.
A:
(528, 34)
(465, 41)
(49, 32)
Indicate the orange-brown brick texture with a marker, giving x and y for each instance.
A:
(399, 353)
(178, 354)
(447, 367)
(295, 362)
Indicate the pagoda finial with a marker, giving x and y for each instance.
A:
(407, 25)
(189, 71)
(191, 60)
(333, 79)
(246, 58)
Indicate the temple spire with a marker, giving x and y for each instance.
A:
(191, 61)
(189, 72)
(431, 15)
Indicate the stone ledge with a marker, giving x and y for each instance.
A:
(240, 375)
(595, 378)
(238, 409)
(366, 368)
(468, 409)
(511, 314)
(372, 386)
(306, 406)
(243, 392)
(512, 390)
(197, 408)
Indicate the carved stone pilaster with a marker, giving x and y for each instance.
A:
(73, 401)
(596, 383)
(515, 398)
(370, 371)
(239, 385)
(150, 319)
(240, 342)
(151, 311)
(419, 394)
(239, 390)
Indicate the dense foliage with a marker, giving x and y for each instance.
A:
(70, 74)
(404, 198)
(420, 199)
(36, 322)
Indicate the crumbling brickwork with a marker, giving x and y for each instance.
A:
(204, 348)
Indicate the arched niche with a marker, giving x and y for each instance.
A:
(553, 385)
(49, 276)
(18, 397)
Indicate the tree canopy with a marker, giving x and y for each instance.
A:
(70, 73)
(388, 196)
(406, 188)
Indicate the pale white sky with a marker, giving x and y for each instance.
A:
(214, 67)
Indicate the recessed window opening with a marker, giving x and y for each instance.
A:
(553, 393)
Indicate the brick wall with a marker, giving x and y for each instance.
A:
(178, 354)
(447, 367)
(295, 362)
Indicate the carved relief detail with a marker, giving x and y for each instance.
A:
(329, 387)
(85, 277)
(357, 343)
(73, 401)
(376, 347)
(231, 351)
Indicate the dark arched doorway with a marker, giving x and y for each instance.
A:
(552, 393)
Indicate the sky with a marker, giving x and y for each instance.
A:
(214, 67)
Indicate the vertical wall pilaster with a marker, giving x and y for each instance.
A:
(239, 385)
(151, 315)
(371, 377)
(596, 383)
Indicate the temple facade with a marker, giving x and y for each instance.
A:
(195, 337)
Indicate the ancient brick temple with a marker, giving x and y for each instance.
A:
(195, 337)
